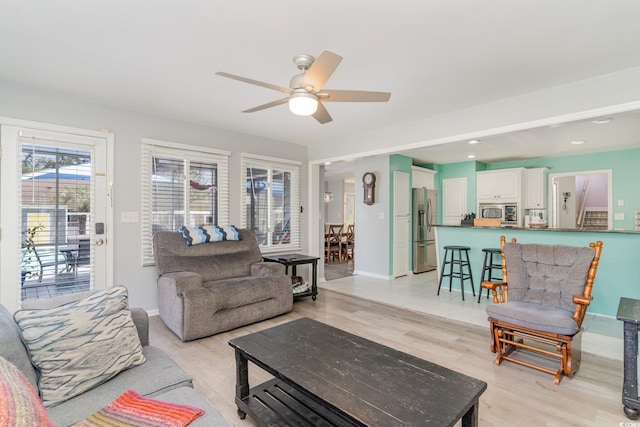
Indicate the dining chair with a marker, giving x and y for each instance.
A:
(348, 243)
(334, 243)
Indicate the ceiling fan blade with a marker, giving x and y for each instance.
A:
(322, 115)
(255, 82)
(267, 105)
(320, 71)
(353, 96)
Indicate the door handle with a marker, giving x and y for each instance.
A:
(99, 242)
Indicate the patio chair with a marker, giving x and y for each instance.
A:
(540, 306)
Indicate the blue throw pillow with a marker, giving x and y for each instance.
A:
(193, 235)
(231, 232)
(215, 233)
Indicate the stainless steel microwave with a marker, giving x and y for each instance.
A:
(508, 213)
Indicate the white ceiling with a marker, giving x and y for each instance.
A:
(434, 56)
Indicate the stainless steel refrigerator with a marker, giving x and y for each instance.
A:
(425, 214)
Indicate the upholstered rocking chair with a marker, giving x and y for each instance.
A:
(540, 306)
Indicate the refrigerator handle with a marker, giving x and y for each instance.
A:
(429, 213)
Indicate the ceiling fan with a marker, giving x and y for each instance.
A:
(305, 92)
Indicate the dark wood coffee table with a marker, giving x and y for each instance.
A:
(325, 376)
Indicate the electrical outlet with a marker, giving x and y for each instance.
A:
(620, 202)
(618, 216)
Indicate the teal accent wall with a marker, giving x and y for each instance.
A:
(623, 163)
(617, 274)
(398, 163)
(625, 176)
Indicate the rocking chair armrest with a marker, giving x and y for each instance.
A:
(579, 299)
(498, 290)
(492, 285)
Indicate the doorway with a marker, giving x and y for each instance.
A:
(54, 188)
(581, 200)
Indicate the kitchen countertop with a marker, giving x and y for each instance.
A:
(541, 229)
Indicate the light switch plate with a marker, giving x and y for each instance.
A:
(618, 215)
(620, 202)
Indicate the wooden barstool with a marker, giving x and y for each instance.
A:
(450, 258)
(489, 266)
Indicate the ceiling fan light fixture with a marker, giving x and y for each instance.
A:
(303, 103)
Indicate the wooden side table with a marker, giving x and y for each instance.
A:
(629, 313)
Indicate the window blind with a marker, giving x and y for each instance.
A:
(271, 202)
(182, 185)
(57, 196)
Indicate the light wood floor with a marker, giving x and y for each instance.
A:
(516, 396)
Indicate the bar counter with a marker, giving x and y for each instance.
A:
(618, 272)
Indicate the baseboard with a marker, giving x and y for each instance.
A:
(374, 275)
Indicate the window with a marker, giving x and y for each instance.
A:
(271, 202)
(182, 185)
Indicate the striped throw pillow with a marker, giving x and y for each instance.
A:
(231, 232)
(80, 345)
(20, 405)
(215, 233)
(193, 235)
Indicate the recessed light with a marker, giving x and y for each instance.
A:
(471, 156)
(601, 121)
(327, 163)
(577, 142)
(474, 141)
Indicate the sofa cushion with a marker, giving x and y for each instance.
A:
(20, 405)
(80, 345)
(158, 375)
(547, 275)
(534, 316)
(241, 291)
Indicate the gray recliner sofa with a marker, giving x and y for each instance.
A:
(214, 287)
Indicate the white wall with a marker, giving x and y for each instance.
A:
(372, 245)
(335, 208)
(129, 127)
(598, 190)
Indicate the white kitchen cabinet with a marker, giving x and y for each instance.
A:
(422, 178)
(503, 185)
(535, 194)
(454, 200)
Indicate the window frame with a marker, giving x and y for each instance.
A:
(271, 163)
(188, 154)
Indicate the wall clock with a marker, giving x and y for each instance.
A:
(369, 186)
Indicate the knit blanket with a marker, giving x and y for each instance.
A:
(133, 410)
